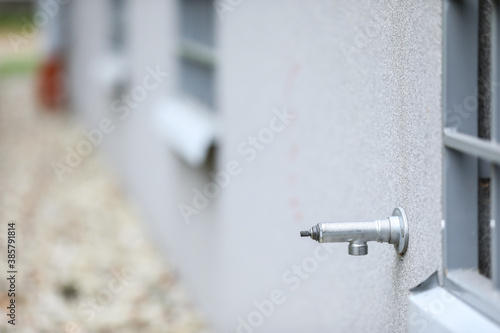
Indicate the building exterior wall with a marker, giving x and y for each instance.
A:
(363, 79)
(86, 46)
(367, 138)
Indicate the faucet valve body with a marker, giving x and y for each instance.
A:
(392, 230)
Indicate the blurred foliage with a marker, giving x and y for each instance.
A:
(15, 66)
(13, 17)
(13, 21)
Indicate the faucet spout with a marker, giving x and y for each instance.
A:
(392, 230)
(358, 248)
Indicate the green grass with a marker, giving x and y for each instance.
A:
(16, 66)
(14, 21)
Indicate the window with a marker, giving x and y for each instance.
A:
(471, 166)
(117, 47)
(185, 121)
(117, 25)
(197, 58)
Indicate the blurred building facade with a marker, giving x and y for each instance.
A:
(235, 124)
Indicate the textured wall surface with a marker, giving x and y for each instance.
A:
(364, 81)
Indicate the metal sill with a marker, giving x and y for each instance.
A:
(433, 308)
(475, 290)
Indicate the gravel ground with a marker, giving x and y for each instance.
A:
(84, 260)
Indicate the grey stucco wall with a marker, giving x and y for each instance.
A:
(364, 80)
(367, 138)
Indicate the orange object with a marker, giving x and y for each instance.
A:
(50, 83)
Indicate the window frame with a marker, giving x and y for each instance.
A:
(462, 150)
(198, 53)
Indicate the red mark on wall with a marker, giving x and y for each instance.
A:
(293, 152)
(294, 201)
(290, 80)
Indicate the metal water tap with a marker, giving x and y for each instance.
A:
(392, 230)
